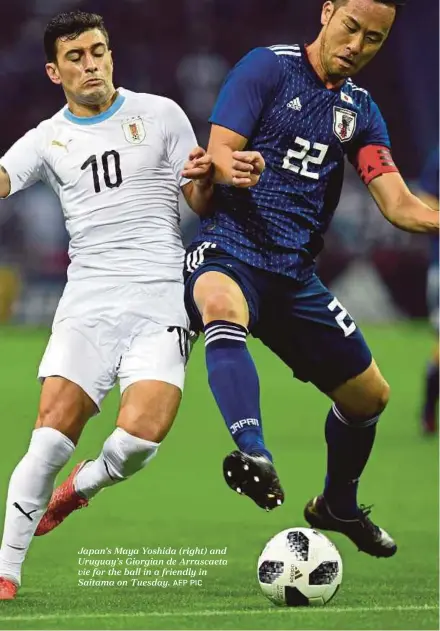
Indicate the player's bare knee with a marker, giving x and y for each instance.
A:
(221, 305)
(382, 397)
(363, 397)
(49, 416)
(144, 425)
(64, 407)
(56, 412)
(218, 297)
(60, 417)
(148, 409)
(375, 401)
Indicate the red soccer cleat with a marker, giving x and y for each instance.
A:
(8, 589)
(64, 501)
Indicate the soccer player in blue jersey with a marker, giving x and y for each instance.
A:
(429, 185)
(284, 121)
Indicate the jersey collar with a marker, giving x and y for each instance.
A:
(99, 118)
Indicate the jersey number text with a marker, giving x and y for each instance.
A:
(340, 318)
(303, 156)
(111, 181)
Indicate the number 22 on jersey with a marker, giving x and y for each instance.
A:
(298, 160)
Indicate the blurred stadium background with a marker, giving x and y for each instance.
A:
(184, 53)
(182, 49)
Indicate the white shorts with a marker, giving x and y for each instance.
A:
(100, 335)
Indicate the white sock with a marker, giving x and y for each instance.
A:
(121, 456)
(30, 489)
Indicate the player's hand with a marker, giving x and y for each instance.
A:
(199, 167)
(247, 168)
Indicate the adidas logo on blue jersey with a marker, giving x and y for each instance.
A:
(295, 104)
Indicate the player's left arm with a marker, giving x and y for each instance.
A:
(428, 190)
(403, 209)
(199, 169)
(371, 157)
(190, 163)
(429, 200)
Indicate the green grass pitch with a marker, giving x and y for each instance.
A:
(182, 501)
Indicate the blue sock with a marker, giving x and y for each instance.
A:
(235, 385)
(432, 388)
(349, 445)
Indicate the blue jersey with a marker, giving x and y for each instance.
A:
(429, 183)
(274, 98)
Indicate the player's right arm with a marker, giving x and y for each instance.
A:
(232, 164)
(246, 92)
(20, 167)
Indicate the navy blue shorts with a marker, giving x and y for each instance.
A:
(302, 323)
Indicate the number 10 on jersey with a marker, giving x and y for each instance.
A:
(303, 157)
(113, 180)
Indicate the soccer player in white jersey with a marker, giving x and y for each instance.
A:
(117, 161)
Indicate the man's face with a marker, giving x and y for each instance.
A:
(84, 68)
(353, 34)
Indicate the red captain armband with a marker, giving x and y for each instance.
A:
(372, 161)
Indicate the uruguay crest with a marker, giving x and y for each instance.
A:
(344, 123)
(134, 130)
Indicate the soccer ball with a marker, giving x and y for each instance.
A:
(298, 567)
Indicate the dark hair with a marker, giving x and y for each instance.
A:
(70, 26)
(396, 3)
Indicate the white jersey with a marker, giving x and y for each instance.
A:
(117, 176)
